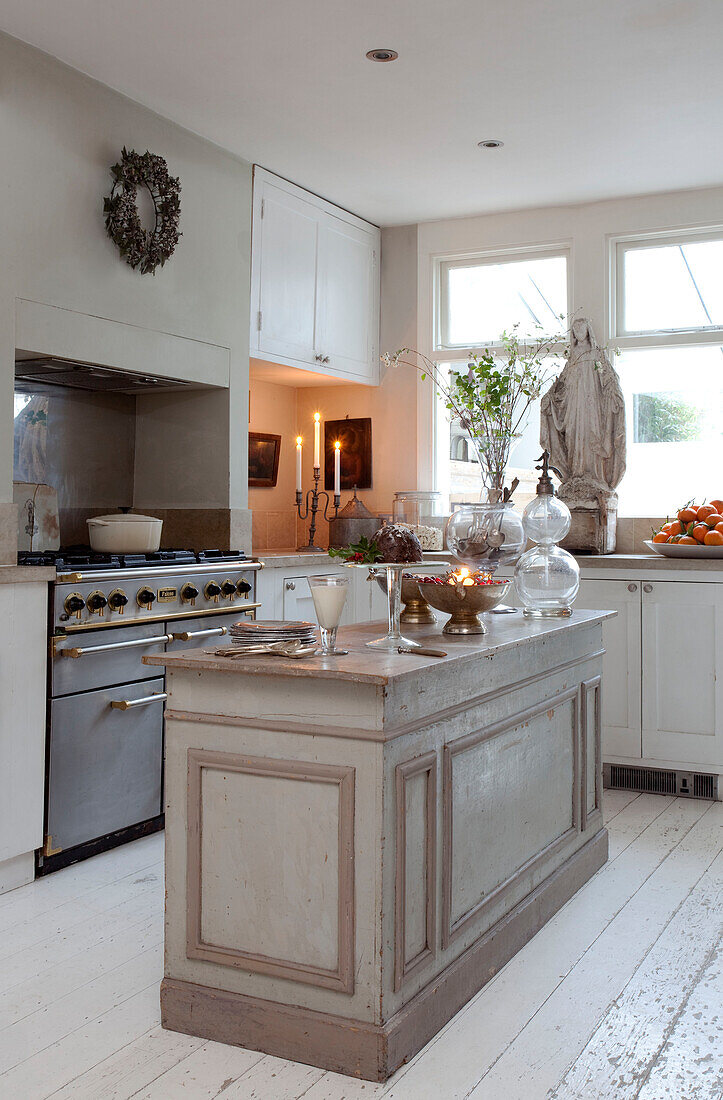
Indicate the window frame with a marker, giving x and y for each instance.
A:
(648, 338)
(476, 258)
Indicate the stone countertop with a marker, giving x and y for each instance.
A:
(373, 666)
(26, 574)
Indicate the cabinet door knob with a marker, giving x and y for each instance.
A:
(325, 359)
(647, 588)
(632, 588)
(290, 586)
(319, 358)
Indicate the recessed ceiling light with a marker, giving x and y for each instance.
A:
(382, 55)
(490, 143)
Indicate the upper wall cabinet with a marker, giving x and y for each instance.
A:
(314, 284)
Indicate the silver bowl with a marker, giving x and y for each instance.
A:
(416, 610)
(464, 603)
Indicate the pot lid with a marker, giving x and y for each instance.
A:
(130, 517)
(355, 509)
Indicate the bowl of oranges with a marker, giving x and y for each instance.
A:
(696, 532)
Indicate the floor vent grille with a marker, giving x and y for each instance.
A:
(625, 777)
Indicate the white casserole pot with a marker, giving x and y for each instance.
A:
(125, 534)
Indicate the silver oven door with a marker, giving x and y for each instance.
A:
(101, 658)
(106, 761)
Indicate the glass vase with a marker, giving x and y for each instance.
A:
(486, 536)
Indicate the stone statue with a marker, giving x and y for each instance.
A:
(582, 425)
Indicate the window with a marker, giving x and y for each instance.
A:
(481, 298)
(477, 299)
(668, 324)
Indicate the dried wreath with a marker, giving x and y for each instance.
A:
(142, 248)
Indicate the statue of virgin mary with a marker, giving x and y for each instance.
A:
(582, 422)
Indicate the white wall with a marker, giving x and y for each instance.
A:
(586, 229)
(59, 134)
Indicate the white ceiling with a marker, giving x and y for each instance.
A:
(593, 98)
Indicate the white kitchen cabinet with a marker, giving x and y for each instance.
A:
(621, 663)
(682, 643)
(23, 655)
(314, 284)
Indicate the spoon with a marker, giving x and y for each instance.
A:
(294, 650)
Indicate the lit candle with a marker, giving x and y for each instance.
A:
(298, 463)
(337, 468)
(317, 440)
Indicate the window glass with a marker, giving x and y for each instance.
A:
(672, 287)
(674, 419)
(482, 300)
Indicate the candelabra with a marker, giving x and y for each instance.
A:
(311, 507)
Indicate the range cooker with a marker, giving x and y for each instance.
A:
(104, 757)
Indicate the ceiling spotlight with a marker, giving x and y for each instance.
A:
(490, 143)
(382, 55)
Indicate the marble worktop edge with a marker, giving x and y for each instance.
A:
(26, 574)
(364, 665)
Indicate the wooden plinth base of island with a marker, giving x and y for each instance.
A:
(358, 1048)
(356, 845)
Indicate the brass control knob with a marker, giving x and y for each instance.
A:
(189, 592)
(96, 603)
(74, 604)
(243, 587)
(117, 600)
(212, 591)
(228, 588)
(145, 597)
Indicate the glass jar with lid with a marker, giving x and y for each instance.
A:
(423, 511)
(547, 577)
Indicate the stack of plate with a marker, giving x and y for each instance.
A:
(265, 632)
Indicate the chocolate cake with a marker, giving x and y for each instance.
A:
(398, 544)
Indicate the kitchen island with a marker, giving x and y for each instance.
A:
(355, 845)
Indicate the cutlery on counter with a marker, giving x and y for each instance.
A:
(419, 652)
(278, 649)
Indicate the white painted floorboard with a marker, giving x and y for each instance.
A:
(618, 997)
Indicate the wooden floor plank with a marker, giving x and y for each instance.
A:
(626, 1043)
(134, 1067)
(640, 812)
(277, 1078)
(210, 1070)
(690, 1065)
(615, 801)
(60, 979)
(21, 1040)
(540, 1055)
(47, 1071)
(491, 1021)
(67, 943)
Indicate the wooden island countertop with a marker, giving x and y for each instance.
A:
(355, 845)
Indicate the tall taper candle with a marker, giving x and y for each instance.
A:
(337, 468)
(298, 463)
(317, 441)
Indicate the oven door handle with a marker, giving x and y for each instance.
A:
(186, 635)
(144, 701)
(74, 651)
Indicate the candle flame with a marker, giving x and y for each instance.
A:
(337, 446)
(299, 441)
(461, 577)
(317, 417)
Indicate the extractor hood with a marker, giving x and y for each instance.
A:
(34, 373)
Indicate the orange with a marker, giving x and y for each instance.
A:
(674, 528)
(717, 504)
(687, 515)
(719, 527)
(705, 510)
(699, 532)
(689, 541)
(714, 538)
(660, 537)
(714, 519)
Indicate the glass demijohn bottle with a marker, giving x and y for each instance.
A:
(546, 577)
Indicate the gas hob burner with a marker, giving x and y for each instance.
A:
(72, 559)
(212, 556)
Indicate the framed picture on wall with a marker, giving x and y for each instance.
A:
(355, 437)
(264, 451)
